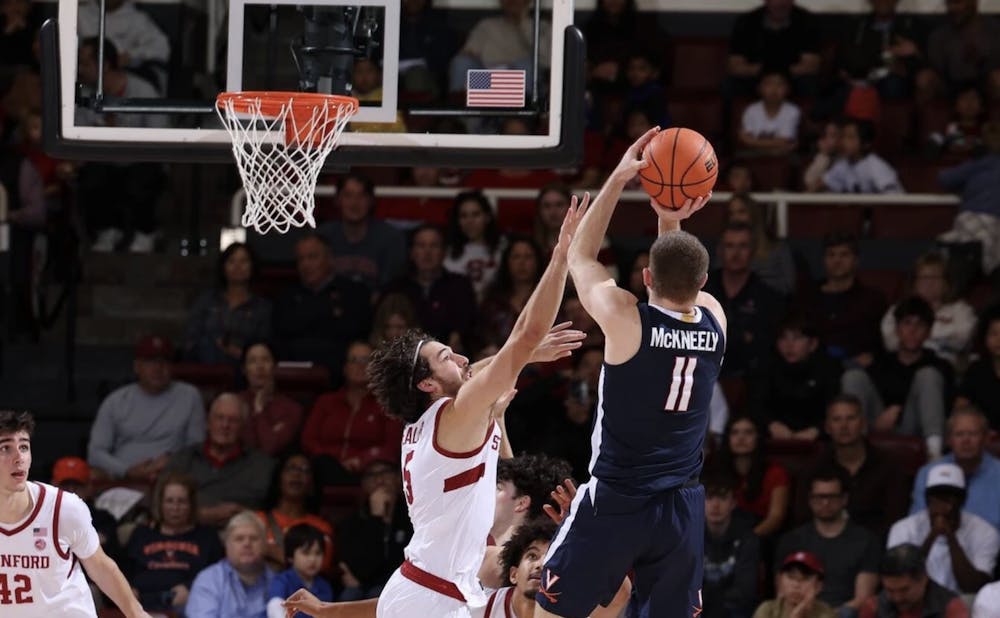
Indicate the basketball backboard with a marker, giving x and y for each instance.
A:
(263, 50)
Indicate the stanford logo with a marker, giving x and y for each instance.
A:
(39, 544)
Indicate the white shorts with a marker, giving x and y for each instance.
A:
(403, 598)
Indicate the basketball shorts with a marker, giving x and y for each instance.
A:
(607, 534)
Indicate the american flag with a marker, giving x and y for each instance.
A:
(40, 531)
(495, 88)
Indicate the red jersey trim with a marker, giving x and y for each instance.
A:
(464, 479)
(55, 529)
(31, 518)
(430, 581)
(508, 599)
(451, 454)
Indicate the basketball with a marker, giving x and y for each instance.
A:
(682, 166)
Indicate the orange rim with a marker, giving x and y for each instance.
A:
(303, 104)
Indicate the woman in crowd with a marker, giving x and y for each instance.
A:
(474, 240)
(165, 557)
(394, 315)
(293, 500)
(764, 487)
(275, 419)
(520, 269)
(226, 318)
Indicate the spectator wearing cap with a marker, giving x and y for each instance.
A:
(849, 552)
(799, 583)
(230, 478)
(732, 552)
(72, 474)
(876, 495)
(968, 430)
(140, 424)
(961, 548)
(906, 391)
(907, 591)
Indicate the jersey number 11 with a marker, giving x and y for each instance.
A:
(681, 383)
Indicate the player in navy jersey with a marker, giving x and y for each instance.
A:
(643, 508)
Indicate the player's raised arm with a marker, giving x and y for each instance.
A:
(611, 307)
(669, 220)
(464, 422)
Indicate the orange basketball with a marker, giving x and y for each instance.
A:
(682, 165)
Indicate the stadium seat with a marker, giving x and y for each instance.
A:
(209, 379)
(933, 117)
(919, 176)
(698, 112)
(771, 173)
(906, 452)
(816, 220)
(735, 390)
(913, 222)
(301, 383)
(417, 210)
(274, 279)
(793, 455)
(699, 65)
(517, 216)
(892, 283)
(895, 129)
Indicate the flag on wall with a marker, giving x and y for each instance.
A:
(495, 88)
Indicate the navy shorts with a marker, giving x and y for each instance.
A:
(607, 534)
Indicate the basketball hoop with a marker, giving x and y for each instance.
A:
(280, 175)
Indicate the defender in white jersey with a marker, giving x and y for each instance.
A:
(451, 444)
(47, 539)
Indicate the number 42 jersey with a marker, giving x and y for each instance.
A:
(40, 572)
(653, 409)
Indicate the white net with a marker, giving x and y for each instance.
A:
(280, 175)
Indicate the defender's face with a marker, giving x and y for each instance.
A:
(527, 576)
(15, 461)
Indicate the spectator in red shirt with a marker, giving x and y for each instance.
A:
(275, 420)
(763, 489)
(346, 429)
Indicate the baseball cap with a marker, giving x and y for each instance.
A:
(803, 559)
(70, 469)
(946, 476)
(154, 346)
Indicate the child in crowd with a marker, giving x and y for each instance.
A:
(367, 86)
(771, 125)
(739, 178)
(963, 135)
(858, 169)
(304, 546)
(645, 88)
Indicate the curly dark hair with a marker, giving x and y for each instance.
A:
(12, 422)
(393, 376)
(539, 529)
(534, 476)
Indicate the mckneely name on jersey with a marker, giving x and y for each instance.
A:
(695, 340)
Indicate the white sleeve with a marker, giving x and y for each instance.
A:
(718, 411)
(750, 122)
(789, 128)
(983, 553)
(987, 604)
(899, 533)
(274, 608)
(76, 528)
(889, 338)
(836, 178)
(884, 176)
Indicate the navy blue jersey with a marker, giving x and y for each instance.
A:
(652, 411)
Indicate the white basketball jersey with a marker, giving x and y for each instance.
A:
(452, 498)
(40, 571)
(501, 604)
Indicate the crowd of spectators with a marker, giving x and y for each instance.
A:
(836, 402)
